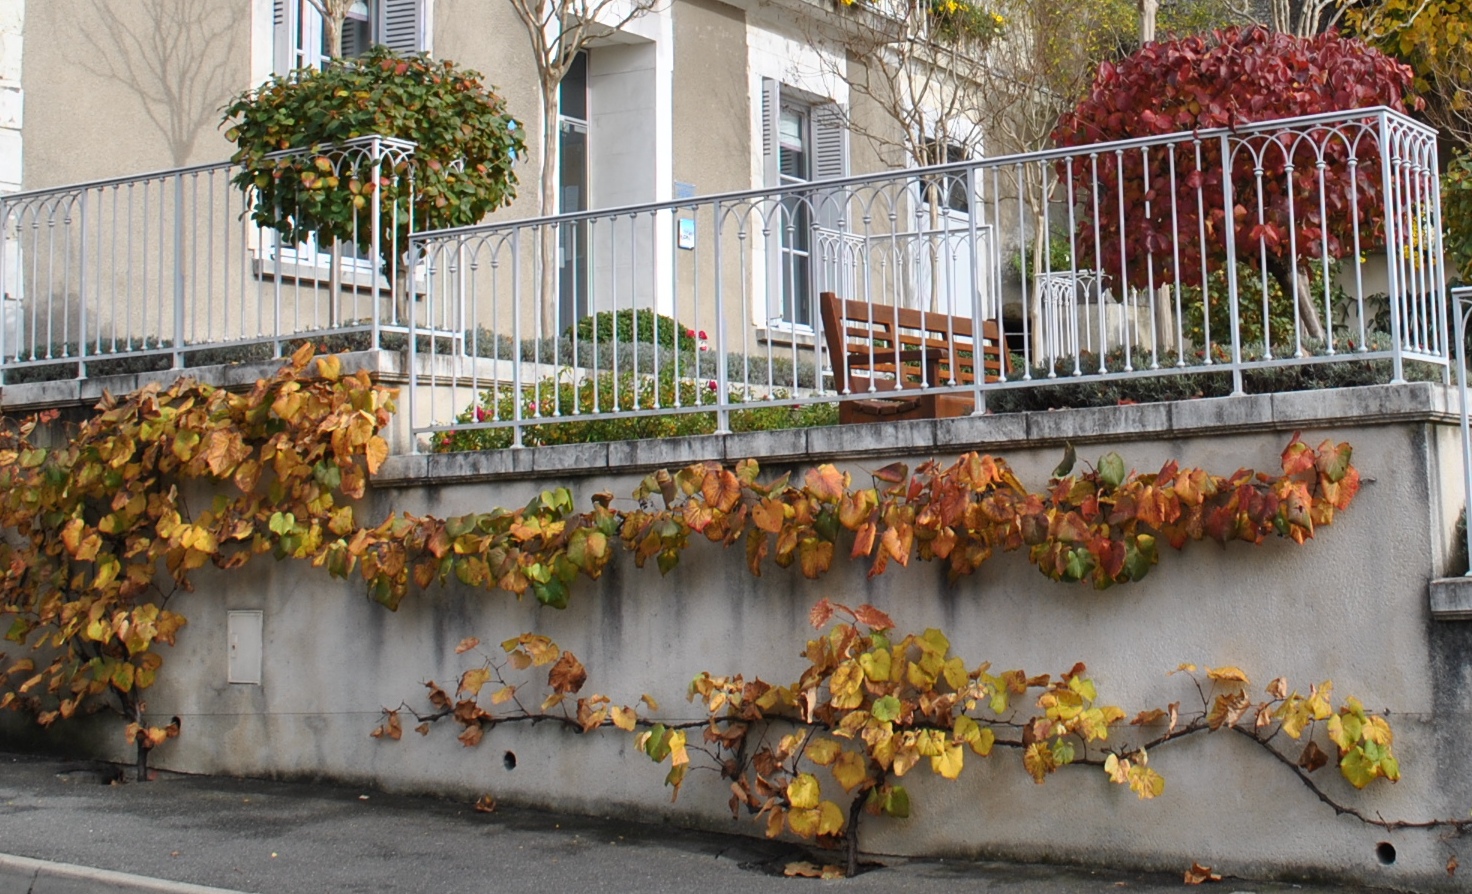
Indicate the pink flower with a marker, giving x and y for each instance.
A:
(531, 407)
(702, 335)
(712, 385)
(690, 333)
(704, 346)
(480, 414)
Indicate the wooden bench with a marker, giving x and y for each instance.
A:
(878, 352)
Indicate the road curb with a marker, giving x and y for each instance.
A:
(24, 875)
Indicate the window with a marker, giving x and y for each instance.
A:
(804, 140)
(357, 31)
(301, 41)
(796, 219)
(950, 190)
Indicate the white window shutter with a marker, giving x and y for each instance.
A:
(351, 45)
(830, 162)
(771, 109)
(830, 142)
(403, 26)
(282, 45)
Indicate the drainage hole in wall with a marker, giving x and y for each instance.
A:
(1385, 853)
(510, 761)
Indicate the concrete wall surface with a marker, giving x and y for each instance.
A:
(1350, 606)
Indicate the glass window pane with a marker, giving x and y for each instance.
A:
(573, 93)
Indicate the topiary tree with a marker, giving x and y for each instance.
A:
(465, 146)
(1230, 78)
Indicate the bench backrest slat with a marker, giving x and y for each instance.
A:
(863, 340)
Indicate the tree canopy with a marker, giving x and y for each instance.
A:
(1229, 78)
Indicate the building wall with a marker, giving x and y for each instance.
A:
(118, 87)
(12, 97)
(1346, 606)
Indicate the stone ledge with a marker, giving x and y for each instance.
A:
(1370, 404)
(385, 366)
(1451, 599)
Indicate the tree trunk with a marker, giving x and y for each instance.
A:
(140, 739)
(1165, 326)
(1295, 283)
(332, 31)
(1148, 10)
(851, 838)
(551, 177)
(1035, 298)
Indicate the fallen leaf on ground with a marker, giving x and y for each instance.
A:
(804, 869)
(1198, 874)
(486, 804)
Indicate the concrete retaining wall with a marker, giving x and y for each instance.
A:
(1351, 605)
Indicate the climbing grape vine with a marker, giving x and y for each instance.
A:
(811, 757)
(109, 528)
(1102, 525)
(105, 536)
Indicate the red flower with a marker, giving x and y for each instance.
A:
(702, 335)
(480, 414)
(690, 333)
(712, 385)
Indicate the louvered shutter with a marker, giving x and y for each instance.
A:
(830, 162)
(771, 109)
(353, 44)
(282, 44)
(402, 26)
(830, 142)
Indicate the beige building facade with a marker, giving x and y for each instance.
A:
(692, 98)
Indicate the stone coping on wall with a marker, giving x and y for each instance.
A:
(1287, 411)
(62, 393)
(384, 366)
(1451, 599)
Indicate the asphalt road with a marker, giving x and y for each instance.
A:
(257, 836)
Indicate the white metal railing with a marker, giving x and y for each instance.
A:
(1325, 212)
(168, 269)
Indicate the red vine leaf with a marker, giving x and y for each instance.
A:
(873, 618)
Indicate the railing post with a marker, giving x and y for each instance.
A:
(978, 319)
(6, 349)
(1461, 297)
(412, 352)
(1229, 204)
(178, 271)
(723, 413)
(375, 252)
(1392, 248)
(1438, 272)
(516, 393)
(81, 284)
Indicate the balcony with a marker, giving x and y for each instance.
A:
(1225, 259)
